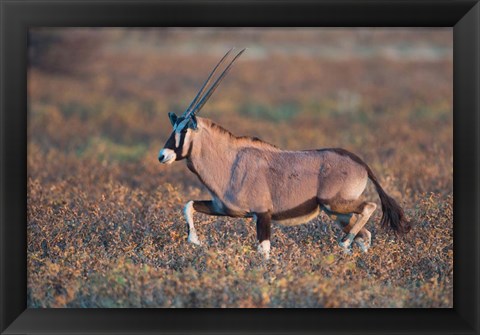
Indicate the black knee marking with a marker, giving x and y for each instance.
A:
(206, 207)
(263, 226)
(209, 208)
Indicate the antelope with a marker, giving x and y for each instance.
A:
(249, 178)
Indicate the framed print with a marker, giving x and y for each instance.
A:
(324, 178)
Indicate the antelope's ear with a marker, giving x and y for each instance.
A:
(172, 117)
(193, 123)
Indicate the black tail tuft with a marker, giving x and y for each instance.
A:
(393, 214)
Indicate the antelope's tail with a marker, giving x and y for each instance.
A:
(392, 213)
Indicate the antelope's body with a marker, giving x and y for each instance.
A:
(250, 178)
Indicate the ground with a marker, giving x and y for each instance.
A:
(105, 223)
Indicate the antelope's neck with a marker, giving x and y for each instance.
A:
(211, 159)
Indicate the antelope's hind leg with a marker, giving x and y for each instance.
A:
(363, 238)
(364, 211)
(205, 207)
(353, 226)
(344, 222)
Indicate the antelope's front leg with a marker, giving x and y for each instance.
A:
(188, 211)
(203, 206)
(263, 233)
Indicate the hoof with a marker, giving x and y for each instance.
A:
(193, 239)
(346, 241)
(362, 244)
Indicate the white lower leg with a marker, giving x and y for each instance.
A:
(363, 239)
(264, 249)
(188, 211)
(367, 211)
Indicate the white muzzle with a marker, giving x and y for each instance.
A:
(166, 156)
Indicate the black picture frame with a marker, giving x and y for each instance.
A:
(17, 16)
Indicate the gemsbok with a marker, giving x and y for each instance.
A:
(247, 177)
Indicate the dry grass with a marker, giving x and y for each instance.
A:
(104, 218)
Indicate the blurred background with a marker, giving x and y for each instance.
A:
(98, 103)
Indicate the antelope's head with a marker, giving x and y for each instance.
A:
(178, 145)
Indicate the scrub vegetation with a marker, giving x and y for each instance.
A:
(105, 222)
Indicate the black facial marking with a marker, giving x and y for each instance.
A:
(170, 144)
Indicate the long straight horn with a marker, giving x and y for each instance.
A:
(215, 85)
(199, 94)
